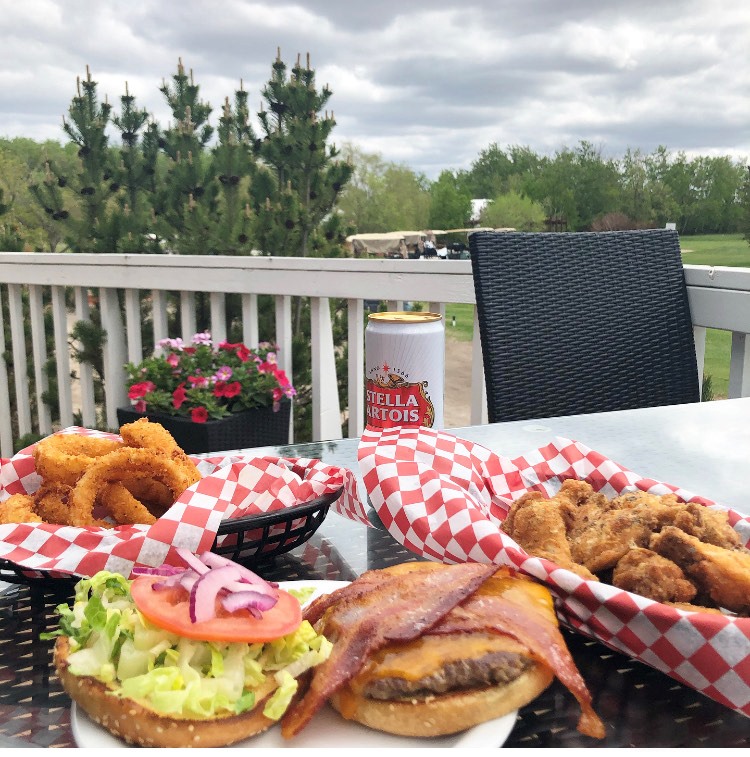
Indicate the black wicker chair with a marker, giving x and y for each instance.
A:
(582, 322)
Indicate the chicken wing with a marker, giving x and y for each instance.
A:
(722, 574)
(537, 525)
(710, 526)
(602, 538)
(647, 573)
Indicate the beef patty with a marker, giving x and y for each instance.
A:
(491, 669)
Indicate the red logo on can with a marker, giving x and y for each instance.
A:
(396, 402)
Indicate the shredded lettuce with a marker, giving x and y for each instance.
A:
(111, 640)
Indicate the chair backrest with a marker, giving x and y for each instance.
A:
(582, 322)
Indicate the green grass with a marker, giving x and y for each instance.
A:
(710, 249)
(716, 249)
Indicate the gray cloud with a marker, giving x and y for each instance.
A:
(428, 84)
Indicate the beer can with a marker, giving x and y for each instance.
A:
(404, 369)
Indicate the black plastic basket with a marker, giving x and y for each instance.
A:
(250, 540)
(260, 538)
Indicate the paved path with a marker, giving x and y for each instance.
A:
(457, 403)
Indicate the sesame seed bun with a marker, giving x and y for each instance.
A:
(140, 725)
(446, 713)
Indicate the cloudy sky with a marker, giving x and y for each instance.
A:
(426, 83)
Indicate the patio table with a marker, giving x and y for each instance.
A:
(702, 447)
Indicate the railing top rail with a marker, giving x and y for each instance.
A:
(437, 281)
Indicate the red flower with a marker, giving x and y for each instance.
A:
(243, 353)
(199, 415)
(219, 389)
(140, 406)
(179, 395)
(282, 378)
(141, 390)
(233, 389)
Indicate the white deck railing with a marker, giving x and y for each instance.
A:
(719, 298)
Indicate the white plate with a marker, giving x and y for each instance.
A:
(326, 729)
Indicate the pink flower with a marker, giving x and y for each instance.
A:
(202, 338)
(198, 382)
(140, 406)
(223, 374)
(173, 359)
(173, 344)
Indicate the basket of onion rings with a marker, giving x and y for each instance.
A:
(80, 501)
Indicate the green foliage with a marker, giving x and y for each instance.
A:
(512, 210)
(383, 196)
(10, 238)
(304, 178)
(450, 208)
(580, 185)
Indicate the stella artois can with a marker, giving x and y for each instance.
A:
(404, 369)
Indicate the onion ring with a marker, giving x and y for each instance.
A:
(123, 463)
(18, 508)
(153, 494)
(52, 503)
(123, 506)
(66, 457)
(145, 434)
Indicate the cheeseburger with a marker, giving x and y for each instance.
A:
(425, 649)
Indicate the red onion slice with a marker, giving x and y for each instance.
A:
(202, 604)
(210, 576)
(217, 561)
(269, 591)
(248, 600)
(161, 570)
(192, 561)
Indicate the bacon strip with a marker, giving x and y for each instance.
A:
(398, 608)
(364, 584)
(505, 614)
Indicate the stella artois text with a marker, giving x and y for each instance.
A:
(404, 369)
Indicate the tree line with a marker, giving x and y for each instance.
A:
(122, 183)
(577, 189)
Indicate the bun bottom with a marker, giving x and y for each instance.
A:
(445, 714)
(140, 725)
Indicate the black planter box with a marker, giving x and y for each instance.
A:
(258, 427)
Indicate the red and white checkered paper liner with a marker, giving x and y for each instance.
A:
(444, 498)
(230, 487)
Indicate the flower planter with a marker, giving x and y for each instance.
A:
(258, 427)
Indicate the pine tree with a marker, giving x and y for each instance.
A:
(234, 169)
(189, 196)
(306, 178)
(132, 178)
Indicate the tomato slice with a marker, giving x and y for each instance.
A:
(169, 610)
